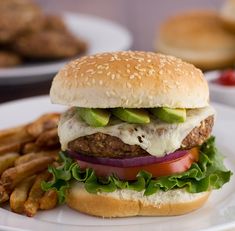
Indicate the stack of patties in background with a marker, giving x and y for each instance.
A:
(27, 34)
(198, 37)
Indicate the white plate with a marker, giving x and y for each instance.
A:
(217, 214)
(101, 35)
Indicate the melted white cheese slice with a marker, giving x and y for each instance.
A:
(157, 138)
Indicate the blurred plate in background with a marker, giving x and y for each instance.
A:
(100, 34)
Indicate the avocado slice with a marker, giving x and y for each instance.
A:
(170, 115)
(95, 117)
(132, 115)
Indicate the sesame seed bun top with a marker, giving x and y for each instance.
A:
(130, 79)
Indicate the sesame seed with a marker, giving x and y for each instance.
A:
(99, 67)
(151, 72)
(128, 85)
(92, 63)
(116, 57)
(139, 101)
(112, 93)
(118, 76)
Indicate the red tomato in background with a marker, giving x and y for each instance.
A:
(227, 78)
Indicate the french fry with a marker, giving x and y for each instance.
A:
(49, 200)
(43, 123)
(30, 147)
(11, 140)
(11, 147)
(6, 133)
(3, 194)
(19, 183)
(31, 156)
(25, 158)
(19, 135)
(32, 204)
(20, 194)
(7, 161)
(12, 176)
(48, 138)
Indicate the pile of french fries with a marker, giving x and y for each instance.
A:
(25, 153)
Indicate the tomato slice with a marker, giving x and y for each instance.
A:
(166, 168)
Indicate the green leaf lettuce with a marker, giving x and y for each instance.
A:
(207, 174)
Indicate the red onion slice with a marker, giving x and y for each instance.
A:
(127, 162)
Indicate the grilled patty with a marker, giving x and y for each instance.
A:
(103, 145)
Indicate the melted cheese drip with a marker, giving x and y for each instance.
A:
(157, 138)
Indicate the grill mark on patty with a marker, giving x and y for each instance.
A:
(104, 145)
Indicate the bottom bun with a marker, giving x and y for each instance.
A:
(126, 203)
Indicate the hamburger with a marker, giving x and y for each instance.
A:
(198, 37)
(136, 139)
